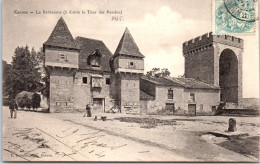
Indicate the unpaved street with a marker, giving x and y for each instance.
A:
(36, 136)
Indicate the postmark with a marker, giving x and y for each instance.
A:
(234, 16)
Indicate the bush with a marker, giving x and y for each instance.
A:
(28, 100)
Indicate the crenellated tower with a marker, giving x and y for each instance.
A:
(128, 65)
(216, 59)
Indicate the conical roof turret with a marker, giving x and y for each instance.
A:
(127, 46)
(61, 36)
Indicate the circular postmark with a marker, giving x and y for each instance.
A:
(243, 10)
(235, 16)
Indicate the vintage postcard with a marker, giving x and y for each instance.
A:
(130, 81)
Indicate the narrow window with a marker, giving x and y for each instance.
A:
(201, 106)
(192, 96)
(107, 81)
(84, 80)
(170, 94)
(131, 64)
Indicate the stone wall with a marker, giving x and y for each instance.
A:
(123, 62)
(202, 56)
(204, 100)
(61, 90)
(200, 65)
(52, 58)
(84, 93)
(130, 93)
(162, 96)
(207, 39)
(69, 93)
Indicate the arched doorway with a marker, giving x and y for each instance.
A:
(228, 76)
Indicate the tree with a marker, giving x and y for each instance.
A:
(45, 90)
(6, 81)
(25, 73)
(157, 72)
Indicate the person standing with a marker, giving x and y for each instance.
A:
(11, 107)
(15, 109)
(88, 111)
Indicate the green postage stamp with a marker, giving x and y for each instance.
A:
(234, 16)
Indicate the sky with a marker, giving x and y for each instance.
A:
(159, 27)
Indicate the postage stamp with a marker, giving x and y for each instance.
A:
(234, 16)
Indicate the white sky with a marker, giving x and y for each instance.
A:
(159, 28)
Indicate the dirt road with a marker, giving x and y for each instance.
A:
(37, 136)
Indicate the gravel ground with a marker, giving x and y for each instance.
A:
(36, 136)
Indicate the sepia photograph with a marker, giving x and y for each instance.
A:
(130, 81)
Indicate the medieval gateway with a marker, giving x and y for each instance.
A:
(83, 71)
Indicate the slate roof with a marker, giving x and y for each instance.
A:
(146, 96)
(88, 46)
(188, 83)
(61, 36)
(127, 46)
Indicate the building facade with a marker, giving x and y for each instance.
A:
(83, 71)
(79, 71)
(179, 96)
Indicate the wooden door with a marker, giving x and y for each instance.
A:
(170, 108)
(192, 109)
(98, 105)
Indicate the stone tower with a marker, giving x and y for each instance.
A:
(216, 59)
(128, 65)
(61, 61)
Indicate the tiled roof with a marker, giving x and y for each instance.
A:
(194, 84)
(180, 82)
(145, 96)
(61, 36)
(161, 81)
(127, 46)
(88, 46)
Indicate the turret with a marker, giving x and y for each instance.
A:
(128, 65)
(60, 49)
(127, 57)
